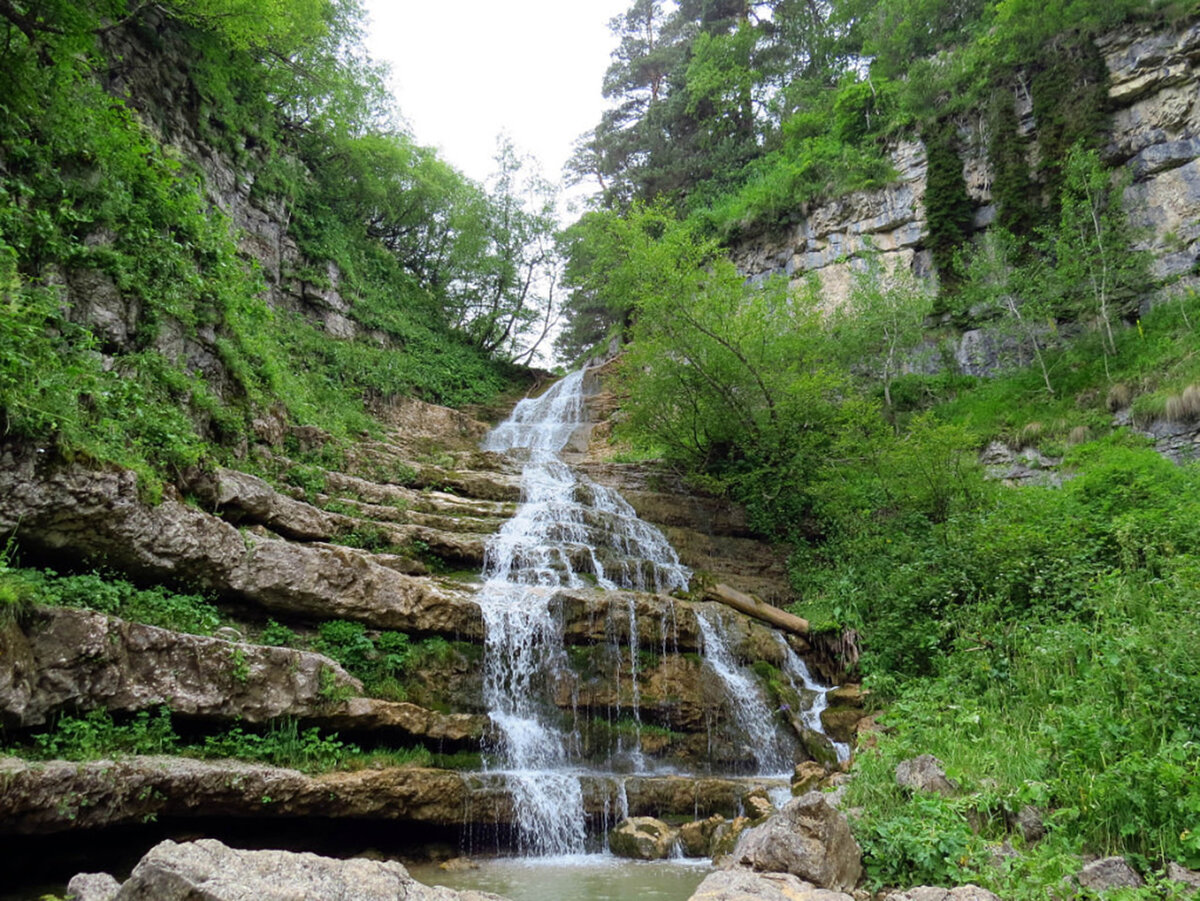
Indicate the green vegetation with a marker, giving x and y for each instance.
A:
(1037, 639)
(97, 735)
(133, 329)
(156, 606)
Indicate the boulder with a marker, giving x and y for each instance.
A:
(696, 837)
(1176, 873)
(81, 659)
(642, 838)
(725, 838)
(936, 893)
(1108, 873)
(840, 722)
(1028, 821)
(93, 887)
(807, 777)
(924, 774)
(207, 870)
(746, 885)
(809, 839)
(758, 805)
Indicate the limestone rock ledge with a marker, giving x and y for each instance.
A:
(56, 796)
(79, 659)
(97, 513)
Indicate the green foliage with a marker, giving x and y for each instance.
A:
(928, 842)
(748, 369)
(278, 635)
(379, 659)
(96, 734)
(1013, 190)
(949, 210)
(156, 606)
(96, 210)
(283, 744)
(1098, 273)
(1070, 95)
(881, 321)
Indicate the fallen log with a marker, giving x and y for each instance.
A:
(752, 606)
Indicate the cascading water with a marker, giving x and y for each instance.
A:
(746, 704)
(795, 669)
(570, 533)
(566, 527)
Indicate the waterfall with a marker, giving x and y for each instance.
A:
(795, 669)
(566, 528)
(745, 702)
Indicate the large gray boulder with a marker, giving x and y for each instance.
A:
(746, 885)
(809, 839)
(207, 870)
(92, 887)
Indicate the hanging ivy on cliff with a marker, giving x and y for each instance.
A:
(1070, 107)
(1013, 190)
(948, 208)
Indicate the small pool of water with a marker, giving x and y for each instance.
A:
(591, 877)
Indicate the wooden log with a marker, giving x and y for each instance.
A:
(752, 606)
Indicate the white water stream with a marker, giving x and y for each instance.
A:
(570, 533)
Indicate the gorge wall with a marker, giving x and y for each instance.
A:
(1154, 94)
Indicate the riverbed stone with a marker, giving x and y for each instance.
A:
(807, 838)
(696, 837)
(642, 838)
(807, 777)
(208, 870)
(740, 884)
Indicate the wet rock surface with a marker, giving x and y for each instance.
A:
(642, 838)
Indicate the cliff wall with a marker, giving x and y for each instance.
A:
(1154, 91)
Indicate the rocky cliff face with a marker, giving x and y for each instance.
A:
(1155, 97)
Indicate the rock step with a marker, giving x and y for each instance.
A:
(56, 796)
(241, 498)
(69, 659)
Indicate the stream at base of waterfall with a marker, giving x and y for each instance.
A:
(570, 533)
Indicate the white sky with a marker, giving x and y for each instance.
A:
(465, 71)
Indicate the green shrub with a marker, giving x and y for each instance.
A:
(278, 635)
(96, 734)
(379, 661)
(157, 606)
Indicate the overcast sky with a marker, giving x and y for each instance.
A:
(465, 71)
